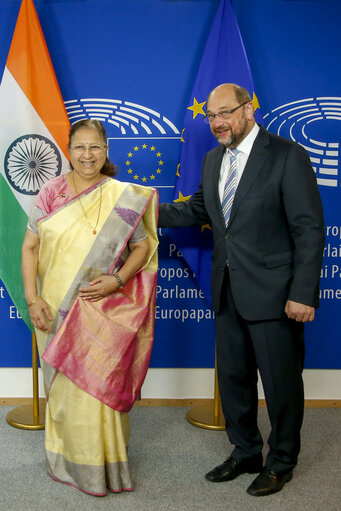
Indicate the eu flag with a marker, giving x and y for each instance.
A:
(224, 61)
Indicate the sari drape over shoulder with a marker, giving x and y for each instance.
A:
(97, 353)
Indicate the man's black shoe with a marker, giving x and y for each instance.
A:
(232, 468)
(268, 482)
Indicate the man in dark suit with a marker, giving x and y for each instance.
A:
(259, 193)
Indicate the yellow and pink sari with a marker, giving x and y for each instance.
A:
(96, 357)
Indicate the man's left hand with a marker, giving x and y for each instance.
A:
(299, 311)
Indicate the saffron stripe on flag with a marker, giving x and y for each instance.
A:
(30, 65)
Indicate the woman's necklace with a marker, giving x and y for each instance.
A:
(85, 215)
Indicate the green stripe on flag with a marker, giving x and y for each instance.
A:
(13, 221)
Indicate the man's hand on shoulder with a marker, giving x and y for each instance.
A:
(299, 311)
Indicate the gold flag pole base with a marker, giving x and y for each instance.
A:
(30, 416)
(23, 417)
(204, 417)
(209, 416)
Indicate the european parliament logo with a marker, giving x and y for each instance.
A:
(315, 124)
(143, 143)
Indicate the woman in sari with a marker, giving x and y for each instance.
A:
(89, 264)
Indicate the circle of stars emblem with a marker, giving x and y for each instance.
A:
(140, 174)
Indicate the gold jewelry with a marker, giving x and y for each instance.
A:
(34, 301)
(118, 278)
(86, 216)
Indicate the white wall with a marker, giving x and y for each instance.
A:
(177, 383)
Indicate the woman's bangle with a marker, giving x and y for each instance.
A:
(118, 278)
(34, 301)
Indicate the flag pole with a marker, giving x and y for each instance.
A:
(30, 416)
(209, 416)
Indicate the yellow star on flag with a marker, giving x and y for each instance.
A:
(197, 108)
(144, 146)
(182, 198)
(182, 136)
(206, 226)
(178, 170)
(130, 155)
(255, 102)
(136, 148)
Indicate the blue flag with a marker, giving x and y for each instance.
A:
(224, 61)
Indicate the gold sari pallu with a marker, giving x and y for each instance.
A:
(102, 348)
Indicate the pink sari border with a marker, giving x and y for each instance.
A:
(104, 347)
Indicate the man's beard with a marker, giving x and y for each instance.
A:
(235, 138)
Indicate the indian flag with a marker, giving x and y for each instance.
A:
(34, 128)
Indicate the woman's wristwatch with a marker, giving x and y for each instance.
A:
(118, 278)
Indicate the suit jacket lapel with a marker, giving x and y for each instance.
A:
(253, 166)
(214, 185)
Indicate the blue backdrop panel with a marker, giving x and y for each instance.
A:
(132, 64)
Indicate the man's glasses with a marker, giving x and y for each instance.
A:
(225, 114)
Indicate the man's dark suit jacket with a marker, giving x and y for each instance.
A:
(275, 237)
